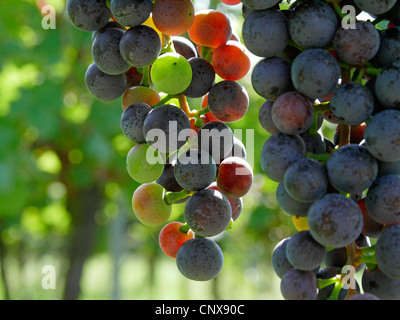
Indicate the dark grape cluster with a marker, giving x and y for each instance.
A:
(320, 64)
(155, 55)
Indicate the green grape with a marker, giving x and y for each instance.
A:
(171, 73)
(149, 205)
(144, 165)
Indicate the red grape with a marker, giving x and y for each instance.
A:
(171, 237)
(235, 177)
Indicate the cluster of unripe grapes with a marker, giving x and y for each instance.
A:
(156, 55)
(323, 62)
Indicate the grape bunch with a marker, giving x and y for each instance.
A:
(320, 64)
(156, 55)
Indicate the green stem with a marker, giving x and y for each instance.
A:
(172, 197)
(324, 157)
(199, 122)
(368, 250)
(146, 77)
(201, 112)
(185, 228)
(373, 71)
(295, 45)
(360, 76)
(206, 54)
(322, 283)
(336, 290)
(163, 101)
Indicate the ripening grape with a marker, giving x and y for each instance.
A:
(210, 28)
(140, 94)
(171, 238)
(149, 205)
(173, 17)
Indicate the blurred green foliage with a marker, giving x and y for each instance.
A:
(65, 193)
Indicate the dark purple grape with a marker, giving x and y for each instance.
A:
(102, 86)
(315, 73)
(200, 259)
(389, 50)
(238, 150)
(166, 128)
(271, 77)
(217, 139)
(387, 251)
(132, 121)
(336, 258)
(375, 7)
(352, 169)
(109, 25)
(260, 4)
(208, 212)
(382, 136)
(265, 118)
(335, 220)
(290, 205)
(303, 252)
(387, 87)
(131, 13)
(265, 32)
(184, 47)
(106, 54)
(359, 45)
(279, 152)
(168, 180)
(88, 15)
(140, 46)
(382, 200)
(315, 143)
(292, 113)
(202, 80)
(228, 101)
(195, 170)
(306, 180)
(299, 285)
(308, 17)
(280, 263)
(386, 168)
(380, 285)
(352, 103)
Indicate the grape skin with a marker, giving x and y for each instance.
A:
(202, 80)
(271, 77)
(306, 180)
(356, 46)
(132, 121)
(88, 15)
(199, 259)
(102, 86)
(389, 49)
(335, 221)
(299, 285)
(388, 251)
(315, 73)
(352, 169)
(380, 285)
(265, 117)
(131, 13)
(303, 252)
(375, 7)
(265, 32)
(195, 170)
(208, 212)
(259, 4)
(308, 17)
(292, 113)
(386, 87)
(163, 118)
(382, 136)
(280, 263)
(352, 103)
(382, 200)
(290, 205)
(140, 46)
(279, 152)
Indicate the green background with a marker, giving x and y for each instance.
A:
(65, 194)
